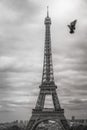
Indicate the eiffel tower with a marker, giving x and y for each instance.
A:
(47, 87)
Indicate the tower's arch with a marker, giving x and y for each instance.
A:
(57, 123)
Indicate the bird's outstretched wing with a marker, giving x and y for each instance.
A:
(73, 23)
(69, 26)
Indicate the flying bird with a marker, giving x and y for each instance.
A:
(72, 26)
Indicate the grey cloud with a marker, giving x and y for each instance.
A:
(79, 108)
(76, 101)
(6, 111)
(27, 9)
(77, 104)
(83, 91)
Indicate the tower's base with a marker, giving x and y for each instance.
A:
(45, 115)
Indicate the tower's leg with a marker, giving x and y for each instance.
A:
(40, 101)
(55, 100)
(65, 124)
(30, 124)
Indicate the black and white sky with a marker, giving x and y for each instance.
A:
(22, 34)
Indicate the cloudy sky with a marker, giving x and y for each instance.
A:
(21, 55)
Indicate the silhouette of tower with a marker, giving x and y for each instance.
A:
(47, 87)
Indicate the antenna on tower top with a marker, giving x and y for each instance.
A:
(47, 11)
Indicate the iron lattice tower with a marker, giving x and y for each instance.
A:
(47, 77)
(47, 87)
